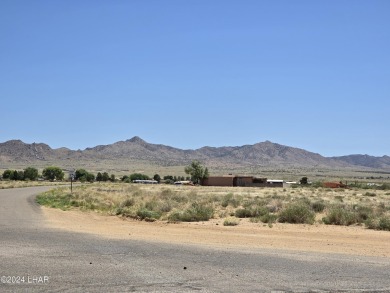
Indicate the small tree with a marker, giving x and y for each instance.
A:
(30, 173)
(8, 174)
(168, 177)
(112, 178)
(14, 175)
(197, 171)
(81, 174)
(90, 177)
(105, 176)
(157, 178)
(138, 176)
(303, 181)
(51, 173)
(99, 177)
(20, 175)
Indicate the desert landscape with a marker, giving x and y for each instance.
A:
(352, 220)
(195, 146)
(303, 219)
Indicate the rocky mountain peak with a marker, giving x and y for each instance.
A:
(136, 139)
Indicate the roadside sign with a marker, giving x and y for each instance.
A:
(72, 175)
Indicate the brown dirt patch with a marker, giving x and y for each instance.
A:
(313, 238)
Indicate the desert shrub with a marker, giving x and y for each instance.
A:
(243, 213)
(167, 193)
(231, 222)
(297, 213)
(318, 206)
(197, 212)
(144, 213)
(129, 202)
(230, 199)
(371, 194)
(269, 218)
(118, 211)
(151, 205)
(255, 211)
(274, 206)
(266, 218)
(363, 213)
(214, 199)
(165, 207)
(382, 223)
(259, 211)
(339, 215)
(305, 200)
(179, 198)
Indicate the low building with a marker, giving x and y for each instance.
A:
(227, 180)
(235, 180)
(145, 181)
(275, 183)
(183, 182)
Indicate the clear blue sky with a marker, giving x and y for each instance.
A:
(308, 74)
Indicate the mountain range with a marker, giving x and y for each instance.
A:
(137, 152)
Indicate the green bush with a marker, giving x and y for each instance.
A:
(197, 212)
(383, 223)
(138, 176)
(243, 213)
(339, 215)
(297, 213)
(254, 211)
(230, 199)
(318, 206)
(266, 218)
(363, 213)
(144, 213)
(269, 218)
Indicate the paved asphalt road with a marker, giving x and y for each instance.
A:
(55, 261)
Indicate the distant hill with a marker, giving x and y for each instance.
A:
(136, 151)
(366, 161)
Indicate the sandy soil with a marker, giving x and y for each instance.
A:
(314, 238)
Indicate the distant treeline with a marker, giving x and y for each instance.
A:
(82, 175)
